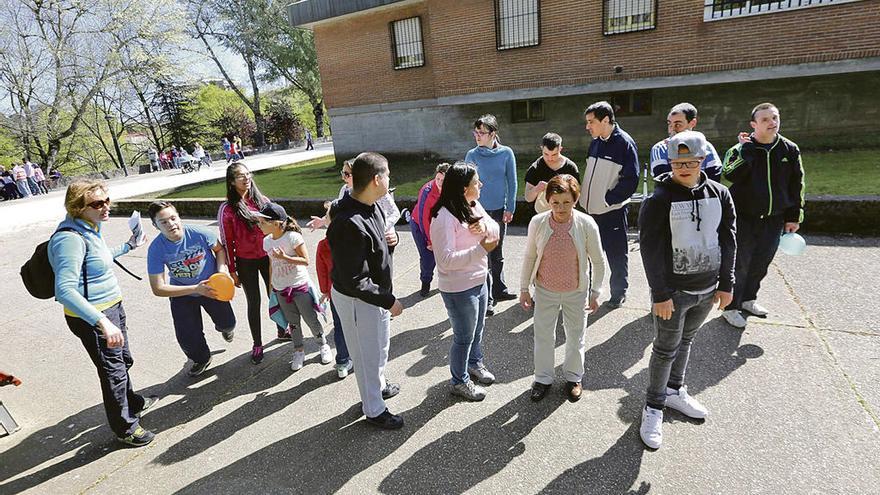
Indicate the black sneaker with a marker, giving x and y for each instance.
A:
(616, 301)
(199, 368)
(149, 402)
(505, 296)
(228, 336)
(390, 390)
(387, 421)
(490, 310)
(425, 290)
(139, 438)
(284, 334)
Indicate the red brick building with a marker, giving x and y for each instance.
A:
(409, 76)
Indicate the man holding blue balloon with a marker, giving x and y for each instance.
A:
(768, 191)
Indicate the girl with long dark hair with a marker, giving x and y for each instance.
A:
(462, 235)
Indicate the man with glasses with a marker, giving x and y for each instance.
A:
(687, 239)
(683, 117)
(189, 254)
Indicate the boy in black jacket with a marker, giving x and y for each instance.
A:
(687, 237)
(768, 190)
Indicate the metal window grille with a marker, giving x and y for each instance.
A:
(527, 111)
(406, 43)
(725, 9)
(625, 16)
(517, 23)
(631, 103)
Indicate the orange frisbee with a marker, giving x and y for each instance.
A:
(222, 284)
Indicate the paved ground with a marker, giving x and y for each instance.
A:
(46, 209)
(794, 399)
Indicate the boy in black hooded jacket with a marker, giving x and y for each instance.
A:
(687, 238)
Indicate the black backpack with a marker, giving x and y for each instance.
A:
(38, 276)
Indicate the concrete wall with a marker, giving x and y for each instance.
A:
(836, 111)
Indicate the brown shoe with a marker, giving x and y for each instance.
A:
(539, 390)
(574, 390)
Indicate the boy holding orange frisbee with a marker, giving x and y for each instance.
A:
(180, 263)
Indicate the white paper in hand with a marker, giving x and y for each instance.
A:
(137, 232)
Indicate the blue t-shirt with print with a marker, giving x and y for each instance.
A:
(189, 261)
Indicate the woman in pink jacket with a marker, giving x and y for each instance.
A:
(462, 235)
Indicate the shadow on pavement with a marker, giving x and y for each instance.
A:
(84, 437)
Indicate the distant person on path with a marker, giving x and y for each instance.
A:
(227, 150)
(309, 144)
(463, 235)
(188, 255)
(31, 177)
(550, 164)
(10, 190)
(610, 178)
(563, 249)
(687, 238)
(243, 240)
(768, 190)
(496, 165)
(236, 150)
(362, 284)
(289, 261)
(324, 268)
(683, 117)
(200, 155)
(20, 177)
(86, 285)
(153, 157)
(420, 226)
(40, 177)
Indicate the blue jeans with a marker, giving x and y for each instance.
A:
(497, 285)
(342, 356)
(467, 313)
(612, 230)
(426, 256)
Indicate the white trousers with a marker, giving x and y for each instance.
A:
(547, 306)
(367, 334)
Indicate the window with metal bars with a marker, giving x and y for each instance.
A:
(625, 16)
(631, 103)
(527, 111)
(406, 43)
(725, 9)
(517, 23)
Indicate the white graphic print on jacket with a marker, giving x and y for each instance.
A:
(694, 228)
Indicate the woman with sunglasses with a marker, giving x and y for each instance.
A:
(497, 167)
(386, 204)
(243, 240)
(86, 286)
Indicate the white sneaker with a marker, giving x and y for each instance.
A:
(299, 358)
(754, 308)
(326, 354)
(342, 370)
(651, 430)
(735, 318)
(684, 403)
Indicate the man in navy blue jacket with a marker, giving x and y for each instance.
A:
(610, 179)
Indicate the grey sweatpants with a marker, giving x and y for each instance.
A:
(301, 306)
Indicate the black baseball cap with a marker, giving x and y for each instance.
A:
(272, 211)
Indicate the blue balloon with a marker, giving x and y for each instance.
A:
(792, 244)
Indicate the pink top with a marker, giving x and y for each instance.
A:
(462, 263)
(555, 272)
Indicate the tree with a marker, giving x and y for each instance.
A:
(175, 104)
(282, 124)
(229, 23)
(55, 56)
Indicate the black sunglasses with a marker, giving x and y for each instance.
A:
(97, 205)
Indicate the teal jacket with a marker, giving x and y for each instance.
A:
(66, 253)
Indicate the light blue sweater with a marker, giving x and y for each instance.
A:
(497, 169)
(66, 253)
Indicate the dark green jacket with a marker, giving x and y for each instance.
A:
(766, 183)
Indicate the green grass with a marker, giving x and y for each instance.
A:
(848, 173)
